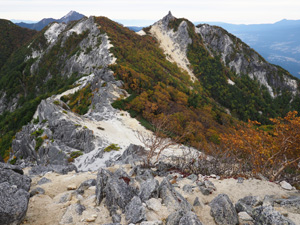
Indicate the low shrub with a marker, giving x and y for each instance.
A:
(112, 147)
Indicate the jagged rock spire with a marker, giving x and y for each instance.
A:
(168, 18)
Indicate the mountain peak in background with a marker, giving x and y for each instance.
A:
(71, 16)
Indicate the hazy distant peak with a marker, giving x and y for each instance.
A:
(72, 15)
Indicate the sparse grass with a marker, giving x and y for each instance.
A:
(37, 133)
(39, 143)
(56, 102)
(112, 147)
(36, 120)
(76, 154)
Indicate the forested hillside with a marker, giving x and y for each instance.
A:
(12, 37)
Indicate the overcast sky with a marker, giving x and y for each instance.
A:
(232, 11)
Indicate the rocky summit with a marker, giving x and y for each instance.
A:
(102, 125)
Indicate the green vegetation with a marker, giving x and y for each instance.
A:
(37, 133)
(17, 80)
(76, 154)
(13, 161)
(36, 120)
(159, 88)
(56, 102)
(112, 147)
(11, 38)
(80, 101)
(39, 142)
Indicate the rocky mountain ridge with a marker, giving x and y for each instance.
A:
(76, 127)
(87, 51)
(243, 60)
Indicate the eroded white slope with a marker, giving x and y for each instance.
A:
(173, 43)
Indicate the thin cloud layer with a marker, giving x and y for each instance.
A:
(233, 11)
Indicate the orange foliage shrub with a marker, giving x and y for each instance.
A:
(268, 153)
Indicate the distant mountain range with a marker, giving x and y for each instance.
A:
(278, 42)
(71, 16)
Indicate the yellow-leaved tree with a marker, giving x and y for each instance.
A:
(266, 152)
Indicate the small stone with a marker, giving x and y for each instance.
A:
(188, 188)
(65, 198)
(154, 204)
(268, 201)
(116, 218)
(79, 209)
(92, 218)
(85, 185)
(245, 216)
(240, 180)
(193, 177)
(197, 202)
(44, 180)
(285, 185)
(71, 187)
(204, 191)
(37, 191)
(157, 222)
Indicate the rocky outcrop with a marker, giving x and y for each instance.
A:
(14, 196)
(118, 192)
(135, 211)
(57, 136)
(133, 154)
(268, 216)
(223, 210)
(243, 60)
(14, 203)
(247, 204)
(7, 105)
(42, 170)
(149, 189)
(291, 204)
(174, 43)
(171, 198)
(13, 176)
(101, 181)
(183, 218)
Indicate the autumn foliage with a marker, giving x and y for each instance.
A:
(270, 152)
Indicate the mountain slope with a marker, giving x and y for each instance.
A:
(12, 37)
(247, 96)
(243, 60)
(278, 43)
(58, 56)
(71, 16)
(74, 73)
